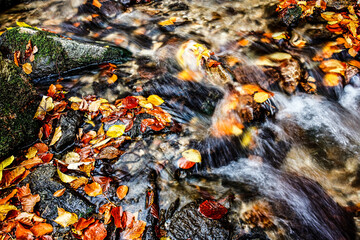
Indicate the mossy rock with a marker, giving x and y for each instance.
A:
(57, 54)
(18, 104)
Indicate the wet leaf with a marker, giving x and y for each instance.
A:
(4, 164)
(28, 202)
(96, 3)
(112, 79)
(10, 177)
(192, 155)
(212, 209)
(185, 164)
(83, 223)
(31, 152)
(75, 99)
(331, 79)
(333, 66)
(96, 231)
(41, 147)
(59, 193)
(27, 68)
(40, 229)
(4, 209)
(22, 24)
(136, 231)
(279, 56)
(155, 100)
(122, 191)
(261, 97)
(105, 210)
(45, 106)
(57, 136)
(65, 218)
(72, 157)
(116, 131)
(93, 189)
(23, 191)
(171, 21)
(104, 182)
(23, 233)
(65, 178)
(117, 213)
(109, 153)
(17, 58)
(8, 197)
(75, 184)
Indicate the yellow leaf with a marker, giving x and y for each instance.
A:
(331, 79)
(72, 157)
(4, 209)
(46, 105)
(66, 178)
(27, 68)
(279, 56)
(279, 35)
(56, 136)
(31, 152)
(112, 79)
(22, 24)
(116, 131)
(93, 189)
(192, 155)
(165, 238)
(171, 21)
(65, 218)
(75, 99)
(4, 164)
(261, 97)
(155, 100)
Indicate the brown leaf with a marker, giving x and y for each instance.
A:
(106, 211)
(23, 191)
(4, 209)
(8, 197)
(40, 229)
(83, 223)
(11, 177)
(28, 202)
(16, 58)
(78, 182)
(109, 153)
(59, 193)
(96, 231)
(135, 232)
(23, 233)
(104, 182)
(93, 189)
(122, 191)
(30, 163)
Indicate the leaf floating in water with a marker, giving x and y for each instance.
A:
(212, 209)
(112, 79)
(96, 3)
(171, 21)
(65, 178)
(94, 189)
(116, 131)
(155, 100)
(27, 68)
(122, 191)
(331, 79)
(261, 97)
(65, 218)
(57, 136)
(185, 164)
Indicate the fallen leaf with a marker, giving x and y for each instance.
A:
(109, 153)
(4, 164)
(261, 97)
(23, 191)
(93, 189)
(46, 105)
(8, 197)
(4, 209)
(41, 147)
(96, 3)
(75, 184)
(16, 58)
(65, 178)
(27, 68)
(30, 163)
(23, 233)
(116, 131)
(96, 231)
(105, 210)
(112, 79)
(28, 202)
(10, 177)
(331, 79)
(57, 136)
(155, 100)
(279, 56)
(122, 191)
(117, 213)
(75, 99)
(40, 229)
(83, 223)
(192, 155)
(185, 164)
(72, 157)
(59, 193)
(212, 209)
(171, 21)
(135, 232)
(65, 218)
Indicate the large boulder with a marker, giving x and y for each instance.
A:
(18, 104)
(57, 54)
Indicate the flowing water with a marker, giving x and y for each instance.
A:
(302, 163)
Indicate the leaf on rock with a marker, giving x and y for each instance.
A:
(40, 229)
(122, 191)
(93, 189)
(185, 164)
(4, 164)
(212, 209)
(30, 163)
(27, 68)
(109, 153)
(75, 184)
(28, 202)
(135, 232)
(46, 105)
(192, 155)
(116, 131)
(23, 233)
(12, 176)
(72, 157)
(155, 100)
(96, 231)
(83, 223)
(261, 97)
(65, 218)
(65, 178)
(4, 209)
(56, 136)
(31, 152)
(332, 79)
(59, 193)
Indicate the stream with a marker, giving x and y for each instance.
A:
(287, 168)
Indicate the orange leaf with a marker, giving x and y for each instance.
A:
(40, 229)
(23, 233)
(94, 189)
(243, 42)
(28, 164)
(112, 79)
(41, 147)
(16, 57)
(78, 182)
(96, 3)
(354, 63)
(51, 90)
(10, 177)
(185, 164)
(27, 68)
(28, 202)
(96, 231)
(122, 191)
(331, 79)
(136, 231)
(8, 197)
(117, 213)
(59, 193)
(23, 191)
(83, 223)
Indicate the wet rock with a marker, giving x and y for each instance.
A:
(6, 4)
(340, 4)
(189, 223)
(57, 54)
(69, 127)
(44, 182)
(291, 16)
(18, 104)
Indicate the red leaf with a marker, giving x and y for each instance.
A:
(155, 211)
(130, 102)
(212, 209)
(104, 182)
(46, 157)
(157, 126)
(117, 213)
(145, 123)
(51, 90)
(41, 147)
(96, 231)
(185, 164)
(83, 223)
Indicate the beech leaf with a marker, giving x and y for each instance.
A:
(155, 100)
(135, 232)
(40, 229)
(4, 209)
(93, 189)
(96, 231)
(65, 178)
(27, 68)
(116, 131)
(212, 209)
(56, 136)
(192, 155)
(122, 191)
(65, 218)
(4, 164)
